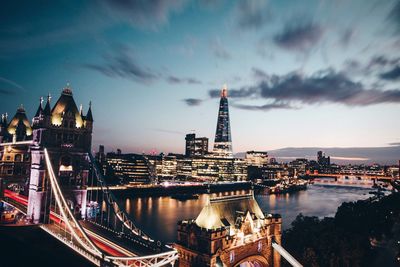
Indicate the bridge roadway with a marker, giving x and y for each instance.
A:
(107, 240)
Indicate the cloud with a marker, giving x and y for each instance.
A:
(192, 101)
(143, 13)
(252, 14)
(123, 65)
(211, 4)
(234, 93)
(177, 80)
(259, 74)
(394, 144)
(219, 50)
(299, 37)
(393, 74)
(265, 107)
(8, 87)
(346, 37)
(394, 16)
(326, 86)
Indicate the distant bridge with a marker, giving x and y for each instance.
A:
(352, 175)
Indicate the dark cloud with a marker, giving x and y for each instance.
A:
(259, 74)
(393, 74)
(299, 37)
(234, 93)
(177, 80)
(219, 50)
(394, 16)
(123, 65)
(193, 101)
(325, 86)
(346, 37)
(394, 144)
(380, 61)
(5, 91)
(266, 107)
(144, 13)
(252, 14)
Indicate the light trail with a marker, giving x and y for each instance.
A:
(286, 255)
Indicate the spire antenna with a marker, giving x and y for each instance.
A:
(224, 91)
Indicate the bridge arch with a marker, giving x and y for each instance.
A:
(252, 261)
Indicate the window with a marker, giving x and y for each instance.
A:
(18, 158)
(232, 256)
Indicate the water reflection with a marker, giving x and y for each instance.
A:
(158, 216)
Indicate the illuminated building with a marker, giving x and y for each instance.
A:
(165, 166)
(196, 146)
(229, 231)
(218, 169)
(223, 141)
(256, 158)
(127, 168)
(15, 159)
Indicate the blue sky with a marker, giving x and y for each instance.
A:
(299, 73)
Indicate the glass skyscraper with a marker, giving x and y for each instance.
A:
(223, 141)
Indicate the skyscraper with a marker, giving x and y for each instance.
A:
(223, 141)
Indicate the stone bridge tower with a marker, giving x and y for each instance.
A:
(67, 135)
(230, 231)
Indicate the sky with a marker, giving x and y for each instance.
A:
(299, 73)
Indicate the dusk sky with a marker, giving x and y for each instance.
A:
(299, 73)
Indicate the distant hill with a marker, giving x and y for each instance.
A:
(340, 155)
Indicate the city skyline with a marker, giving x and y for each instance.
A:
(312, 84)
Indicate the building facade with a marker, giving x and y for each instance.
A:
(256, 158)
(230, 231)
(196, 146)
(128, 169)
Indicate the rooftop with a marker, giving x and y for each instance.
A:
(223, 211)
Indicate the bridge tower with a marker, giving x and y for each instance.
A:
(230, 231)
(67, 135)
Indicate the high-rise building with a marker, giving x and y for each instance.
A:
(100, 156)
(196, 146)
(323, 161)
(223, 141)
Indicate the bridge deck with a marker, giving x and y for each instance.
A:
(108, 241)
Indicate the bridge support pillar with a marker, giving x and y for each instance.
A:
(37, 187)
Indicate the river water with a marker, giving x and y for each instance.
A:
(158, 216)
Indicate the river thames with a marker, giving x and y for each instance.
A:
(158, 216)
